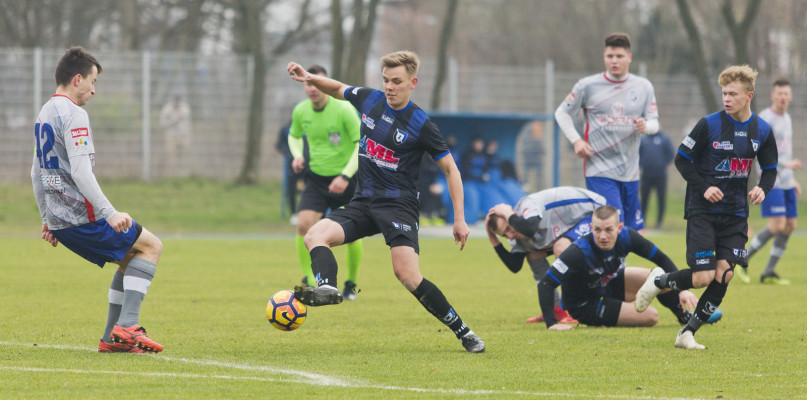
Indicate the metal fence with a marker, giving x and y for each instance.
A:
(134, 87)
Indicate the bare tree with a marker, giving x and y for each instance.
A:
(740, 30)
(250, 34)
(698, 55)
(442, 53)
(349, 66)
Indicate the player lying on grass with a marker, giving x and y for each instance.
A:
(598, 288)
(542, 223)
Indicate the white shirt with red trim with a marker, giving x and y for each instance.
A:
(610, 107)
(62, 173)
(782, 127)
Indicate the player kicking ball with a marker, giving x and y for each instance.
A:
(395, 134)
(75, 211)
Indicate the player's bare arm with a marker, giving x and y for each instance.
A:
(449, 168)
(326, 85)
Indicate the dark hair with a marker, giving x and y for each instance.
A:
(781, 82)
(605, 212)
(317, 69)
(618, 40)
(493, 222)
(75, 61)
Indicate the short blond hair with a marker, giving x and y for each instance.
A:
(743, 73)
(407, 58)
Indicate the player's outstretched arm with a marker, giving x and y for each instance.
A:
(452, 173)
(326, 85)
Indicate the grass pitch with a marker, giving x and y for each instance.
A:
(206, 306)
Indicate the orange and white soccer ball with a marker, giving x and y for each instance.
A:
(285, 312)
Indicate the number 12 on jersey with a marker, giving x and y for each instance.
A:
(45, 140)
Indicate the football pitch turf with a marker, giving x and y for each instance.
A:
(206, 306)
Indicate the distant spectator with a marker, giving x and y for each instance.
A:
(175, 122)
(656, 153)
(531, 155)
(291, 180)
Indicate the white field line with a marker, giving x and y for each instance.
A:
(296, 376)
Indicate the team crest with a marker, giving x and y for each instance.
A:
(400, 136)
(755, 144)
(335, 138)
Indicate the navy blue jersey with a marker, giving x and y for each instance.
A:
(392, 145)
(584, 270)
(721, 150)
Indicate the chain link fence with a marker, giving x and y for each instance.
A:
(134, 87)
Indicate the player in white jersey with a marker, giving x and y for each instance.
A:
(541, 224)
(75, 211)
(617, 107)
(780, 205)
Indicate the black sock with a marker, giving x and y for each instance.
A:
(670, 300)
(678, 280)
(324, 266)
(708, 303)
(435, 302)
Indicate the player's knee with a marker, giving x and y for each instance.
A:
(650, 316)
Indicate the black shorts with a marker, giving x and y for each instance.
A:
(316, 196)
(396, 219)
(712, 237)
(605, 310)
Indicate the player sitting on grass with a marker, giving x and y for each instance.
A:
(541, 224)
(597, 286)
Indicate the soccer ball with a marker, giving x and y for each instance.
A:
(285, 312)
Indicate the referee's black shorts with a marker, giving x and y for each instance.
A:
(316, 196)
(712, 237)
(396, 219)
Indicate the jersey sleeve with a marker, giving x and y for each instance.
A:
(646, 249)
(651, 108)
(768, 158)
(689, 153)
(78, 135)
(356, 95)
(296, 128)
(432, 141)
(574, 100)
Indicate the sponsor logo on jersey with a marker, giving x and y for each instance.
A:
(386, 118)
(738, 167)
(653, 108)
(633, 97)
(689, 142)
(380, 155)
(569, 100)
(755, 144)
(724, 145)
(740, 133)
(51, 180)
(582, 230)
(79, 132)
(368, 121)
(617, 120)
(335, 138)
(81, 142)
(400, 136)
